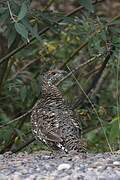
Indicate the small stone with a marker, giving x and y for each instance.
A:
(90, 168)
(7, 154)
(109, 168)
(66, 178)
(31, 177)
(116, 163)
(24, 170)
(109, 161)
(96, 164)
(46, 157)
(63, 166)
(101, 168)
(3, 177)
(1, 156)
(17, 177)
(118, 173)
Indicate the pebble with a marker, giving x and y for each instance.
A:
(31, 177)
(116, 163)
(3, 177)
(94, 165)
(42, 167)
(17, 177)
(63, 166)
(118, 172)
(101, 168)
(1, 156)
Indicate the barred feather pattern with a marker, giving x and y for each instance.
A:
(54, 123)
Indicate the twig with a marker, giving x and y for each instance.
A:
(11, 15)
(50, 2)
(78, 67)
(12, 137)
(16, 119)
(23, 145)
(99, 84)
(6, 65)
(76, 52)
(23, 68)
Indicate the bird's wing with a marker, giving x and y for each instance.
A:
(51, 135)
(47, 120)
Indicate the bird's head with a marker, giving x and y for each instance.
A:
(53, 76)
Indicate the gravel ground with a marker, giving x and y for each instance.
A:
(43, 166)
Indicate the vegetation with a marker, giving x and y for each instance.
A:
(76, 37)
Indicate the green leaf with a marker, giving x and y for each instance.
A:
(91, 136)
(2, 10)
(3, 118)
(11, 36)
(23, 93)
(103, 35)
(114, 131)
(23, 11)
(115, 30)
(33, 30)
(87, 4)
(4, 17)
(115, 22)
(20, 28)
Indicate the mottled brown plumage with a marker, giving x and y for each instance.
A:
(52, 121)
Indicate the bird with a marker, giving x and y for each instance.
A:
(52, 120)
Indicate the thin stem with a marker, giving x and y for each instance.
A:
(11, 14)
(16, 119)
(117, 92)
(22, 69)
(94, 109)
(26, 143)
(78, 67)
(50, 2)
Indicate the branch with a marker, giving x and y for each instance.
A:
(99, 83)
(12, 137)
(23, 68)
(11, 14)
(76, 52)
(95, 80)
(29, 141)
(78, 67)
(50, 2)
(16, 119)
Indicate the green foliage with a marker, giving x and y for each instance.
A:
(49, 39)
(87, 4)
(23, 11)
(20, 28)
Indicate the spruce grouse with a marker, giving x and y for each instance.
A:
(52, 121)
